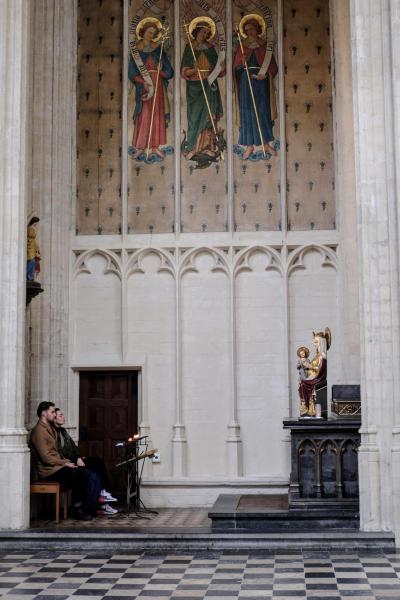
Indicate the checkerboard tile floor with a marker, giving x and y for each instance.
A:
(210, 575)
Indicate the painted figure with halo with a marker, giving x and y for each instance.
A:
(254, 69)
(152, 111)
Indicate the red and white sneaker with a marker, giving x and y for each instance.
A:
(106, 511)
(108, 497)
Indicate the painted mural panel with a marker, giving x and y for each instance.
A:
(256, 121)
(210, 86)
(150, 117)
(99, 117)
(309, 123)
(203, 116)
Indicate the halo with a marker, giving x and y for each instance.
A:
(306, 351)
(197, 20)
(251, 17)
(156, 22)
(328, 337)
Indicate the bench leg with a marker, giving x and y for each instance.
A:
(57, 507)
(65, 505)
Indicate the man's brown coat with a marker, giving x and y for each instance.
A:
(46, 459)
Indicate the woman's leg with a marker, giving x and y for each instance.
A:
(95, 463)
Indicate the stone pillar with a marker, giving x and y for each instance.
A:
(394, 21)
(179, 442)
(53, 115)
(233, 441)
(347, 335)
(376, 147)
(14, 453)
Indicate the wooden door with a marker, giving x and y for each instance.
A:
(108, 414)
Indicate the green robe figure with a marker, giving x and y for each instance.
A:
(200, 135)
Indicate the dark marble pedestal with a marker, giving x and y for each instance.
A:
(33, 288)
(324, 465)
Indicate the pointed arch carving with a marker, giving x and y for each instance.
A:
(329, 442)
(273, 259)
(296, 257)
(113, 262)
(188, 261)
(135, 261)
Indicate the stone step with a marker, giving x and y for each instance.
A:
(178, 540)
(271, 513)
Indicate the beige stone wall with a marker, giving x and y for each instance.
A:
(99, 122)
(309, 126)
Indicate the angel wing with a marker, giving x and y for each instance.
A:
(188, 12)
(219, 7)
(190, 9)
(161, 7)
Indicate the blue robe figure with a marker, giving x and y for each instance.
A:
(254, 49)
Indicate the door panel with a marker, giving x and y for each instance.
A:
(107, 414)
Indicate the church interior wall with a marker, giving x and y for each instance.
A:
(316, 271)
(212, 318)
(362, 248)
(262, 395)
(125, 308)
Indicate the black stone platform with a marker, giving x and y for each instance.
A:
(271, 513)
(324, 465)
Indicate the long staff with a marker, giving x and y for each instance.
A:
(202, 86)
(251, 91)
(164, 37)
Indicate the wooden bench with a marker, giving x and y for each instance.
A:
(52, 487)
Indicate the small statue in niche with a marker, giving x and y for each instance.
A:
(33, 251)
(312, 374)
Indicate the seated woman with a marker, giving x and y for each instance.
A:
(68, 449)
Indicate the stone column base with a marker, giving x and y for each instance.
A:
(179, 450)
(15, 478)
(234, 451)
(369, 478)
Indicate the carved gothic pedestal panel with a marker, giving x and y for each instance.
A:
(324, 464)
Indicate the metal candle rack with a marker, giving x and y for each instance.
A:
(136, 451)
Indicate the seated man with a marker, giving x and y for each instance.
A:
(49, 465)
(68, 449)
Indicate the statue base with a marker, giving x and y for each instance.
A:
(33, 288)
(324, 464)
